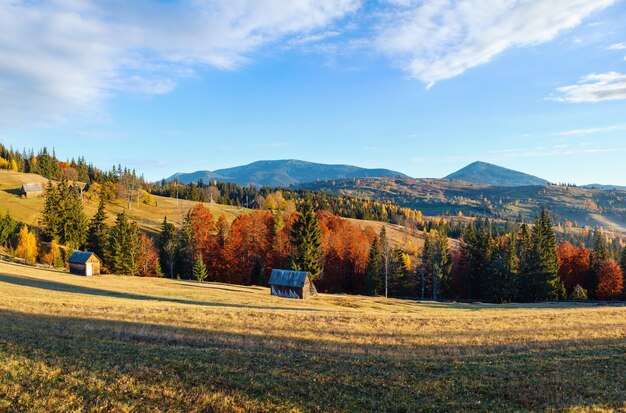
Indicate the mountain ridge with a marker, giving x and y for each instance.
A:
(284, 173)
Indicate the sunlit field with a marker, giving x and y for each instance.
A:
(112, 343)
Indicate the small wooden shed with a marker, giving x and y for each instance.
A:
(84, 263)
(31, 190)
(291, 284)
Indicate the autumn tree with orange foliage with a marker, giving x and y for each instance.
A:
(215, 258)
(610, 281)
(149, 265)
(202, 226)
(250, 241)
(573, 266)
(346, 250)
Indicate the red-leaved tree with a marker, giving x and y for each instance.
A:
(610, 281)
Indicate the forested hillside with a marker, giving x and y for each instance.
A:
(570, 206)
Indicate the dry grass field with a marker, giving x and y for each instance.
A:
(113, 343)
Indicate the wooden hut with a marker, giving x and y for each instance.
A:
(84, 263)
(31, 190)
(291, 284)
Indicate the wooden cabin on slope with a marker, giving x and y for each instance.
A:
(84, 263)
(31, 190)
(291, 284)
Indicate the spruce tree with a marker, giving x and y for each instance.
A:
(98, 233)
(186, 247)
(442, 263)
(124, 247)
(75, 221)
(372, 273)
(305, 237)
(385, 261)
(168, 247)
(599, 257)
(540, 280)
(199, 270)
(502, 274)
(481, 250)
(425, 268)
(599, 253)
(7, 228)
(51, 212)
(63, 215)
(399, 274)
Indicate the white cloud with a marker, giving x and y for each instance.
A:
(596, 87)
(437, 40)
(591, 131)
(617, 46)
(63, 56)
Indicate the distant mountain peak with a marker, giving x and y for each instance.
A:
(484, 173)
(283, 173)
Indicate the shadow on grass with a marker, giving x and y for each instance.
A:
(215, 286)
(148, 367)
(77, 289)
(13, 191)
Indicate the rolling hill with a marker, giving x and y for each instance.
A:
(283, 173)
(488, 174)
(436, 197)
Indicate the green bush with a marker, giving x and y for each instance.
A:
(578, 294)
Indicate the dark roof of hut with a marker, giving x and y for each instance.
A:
(80, 257)
(288, 278)
(32, 188)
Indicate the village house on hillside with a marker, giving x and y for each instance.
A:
(291, 284)
(84, 263)
(31, 190)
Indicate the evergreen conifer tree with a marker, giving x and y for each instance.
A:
(199, 270)
(306, 240)
(399, 276)
(385, 261)
(540, 280)
(186, 247)
(168, 247)
(124, 247)
(599, 257)
(98, 232)
(74, 221)
(371, 281)
(501, 274)
(51, 212)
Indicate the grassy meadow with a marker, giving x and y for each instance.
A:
(113, 343)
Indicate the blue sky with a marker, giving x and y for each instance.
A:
(422, 87)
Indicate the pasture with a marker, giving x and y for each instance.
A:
(114, 343)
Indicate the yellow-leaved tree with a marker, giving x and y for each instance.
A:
(26, 245)
(53, 257)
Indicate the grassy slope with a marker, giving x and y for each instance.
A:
(148, 217)
(119, 344)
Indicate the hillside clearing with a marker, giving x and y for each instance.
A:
(118, 343)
